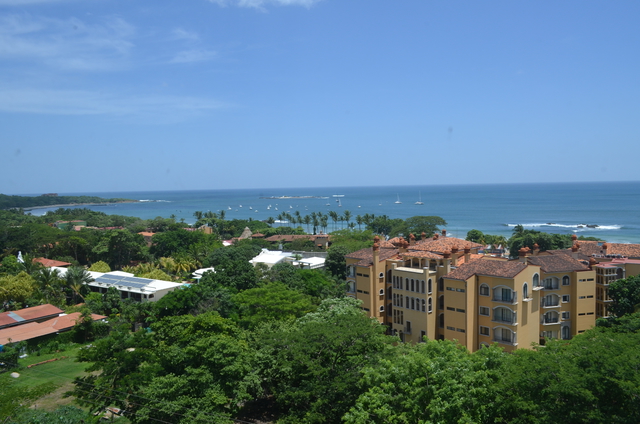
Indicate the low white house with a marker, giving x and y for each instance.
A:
(130, 287)
(271, 257)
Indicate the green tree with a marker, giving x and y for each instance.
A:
(476, 236)
(314, 365)
(15, 289)
(100, 266)
(336, 264)
(273, 301)
(77, 279)
(625, 296)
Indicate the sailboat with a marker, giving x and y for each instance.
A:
(398, 201)
(420, 202)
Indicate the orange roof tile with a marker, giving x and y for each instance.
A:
(26, 315)
(50, 262)
(492, 268)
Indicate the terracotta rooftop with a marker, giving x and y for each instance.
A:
(48, 263)
(444, 243)
(366, 255)
(557, 263)
(292, 237)
(35, 329)
(420, 254)
(596, 248)
(472, 257)
(27, 315)
(488, 267)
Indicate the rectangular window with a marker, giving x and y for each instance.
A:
(582, 297)
(484, 311)
(460, 310)
(460, 290)
(451, 328)
(565, 315)
(449, 308)
(484, 331)
(451, 289)
(565, 298)
(423, 334)
(460, 330)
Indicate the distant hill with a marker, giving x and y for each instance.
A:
(7, 202)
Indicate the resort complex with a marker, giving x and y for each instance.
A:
(441, 288)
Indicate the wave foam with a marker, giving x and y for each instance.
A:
(570, 226)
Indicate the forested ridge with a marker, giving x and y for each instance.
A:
(258, 345)
(8, 201)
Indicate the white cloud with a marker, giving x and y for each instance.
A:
(192, 56)
(260, 4)
(157, 108)
(26, 2)
(183, 34)
(68, 44)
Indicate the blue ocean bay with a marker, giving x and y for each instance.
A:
(494, 209)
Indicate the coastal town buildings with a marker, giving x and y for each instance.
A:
(441, 288)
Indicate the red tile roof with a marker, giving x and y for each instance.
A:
(488, 267)
(366, 255)
(50, 262)
(557, 263)
(35, 329)
(26, 315)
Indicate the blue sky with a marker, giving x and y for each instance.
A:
(120, 95)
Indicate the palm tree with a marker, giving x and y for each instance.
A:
(307, 220)
(347, 217)
(359, 221)
(334, 217)
(50, 284)
(77, 279)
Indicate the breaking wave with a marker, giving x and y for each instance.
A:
(575, 227)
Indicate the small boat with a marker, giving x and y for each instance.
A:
(229, 207)
(398, 201)
(250, 207)
(420, 202)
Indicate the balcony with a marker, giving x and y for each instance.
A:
(509, 341)
(550, 303)
(511, 298)
(550, 320)
(505, 320)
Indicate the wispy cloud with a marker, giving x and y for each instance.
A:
(192, 56)
(261, 4)
(26, 2)
(183, 34)
(156, 108)
(68, 44)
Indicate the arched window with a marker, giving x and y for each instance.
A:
(429, 286)
(406, 303)
(502, 314)
(525, 291)
(422, 286)
(413, 303)
(429, 304)
(566, 332)
(413, 287)
(565, 280)
(406, 283)
(441, 302)
(484, 290)
(536, 280)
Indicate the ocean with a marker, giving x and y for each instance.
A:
(609, 210)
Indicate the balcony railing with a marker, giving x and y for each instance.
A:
(550, 303)
(511, 341)
(505, 320)
(550, 320)
(511, 299)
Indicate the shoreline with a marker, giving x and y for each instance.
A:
(30, 208)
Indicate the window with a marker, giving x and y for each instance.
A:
(441, 284)
(460, 290)
(460, 310)
(441, 302)
(406, 284)
(407, 328)
(536, 280)
(422, 286)
(565, 280)
(451, 328)
(449, 308)
(566, 332)
(413, 286)
(484, 331)
(566, 315)
(484, 290)
(441, 321)
(406, 304)
(484, 311)
(565, 298)
(525, 291)
(413, 303)
(423, 334)
(430, 304)
(429, 286)
(504, 315)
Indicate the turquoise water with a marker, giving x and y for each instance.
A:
(493, 209)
